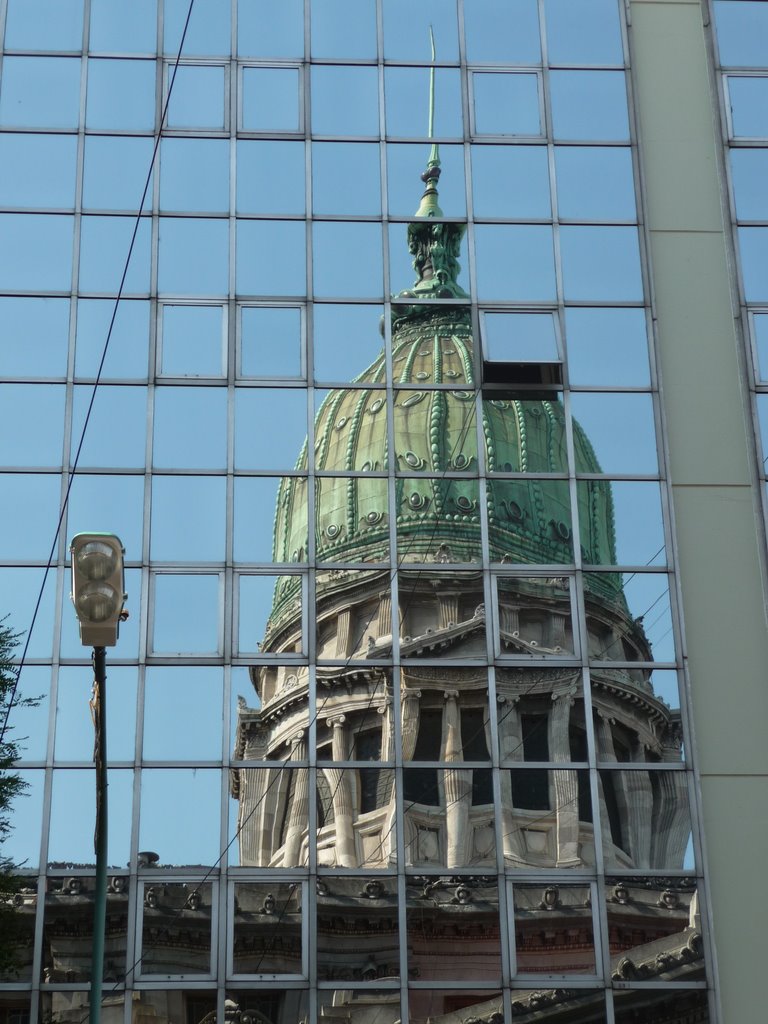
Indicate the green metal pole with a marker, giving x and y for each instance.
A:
(100, 838)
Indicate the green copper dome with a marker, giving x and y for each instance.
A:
(435, 436)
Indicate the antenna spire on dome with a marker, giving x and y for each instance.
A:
(429, 206)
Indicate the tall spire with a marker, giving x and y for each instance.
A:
(429, 206)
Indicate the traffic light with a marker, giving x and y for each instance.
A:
(98, 587)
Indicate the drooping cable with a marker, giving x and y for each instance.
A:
(105, 350)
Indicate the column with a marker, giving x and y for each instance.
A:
(458, 785)
(565, 784)
(341, 795)
(298, 813)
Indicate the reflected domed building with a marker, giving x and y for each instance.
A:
(447, 821)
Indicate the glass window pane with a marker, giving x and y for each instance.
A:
(121, 94)
(162, 788)
(128, 344)
(498, 30)
(256, 506)
(760, 331)
(270, 100)
(510, 181)
(193, 256)
(104, 244)
(104, 445)
(595, 183)
(193, 341)
(749, 169)
(108, 504)
(361, 278)
(524, 631)
(44, 25)
(74, 725)
(70, 837)
(188, 519)
(35, 252)
(647, 635)
(637, 517)
(194, 174)
(544, 448)
(22, 844)
(406, 118)
(506, 104)
(413, 44)
(607, 346)
(257, 410)
(742, 32)
(255, 949)
(40, 92)
(429, 916)
(346, 339)
(40, 407)
(601, 263)
(190, 697)
(354, 191)
(663, 797)
(258, 596)
(587, 33)
(753, 247)
(401, 269)
(345, 100)
(22, 589)
(191, 905)
(124, 26)
(530, 521)
(208, 31)
(620, 429)
(519, 337)
(589, 105)
(351, 519)
(36, 332)
(344, 28)
(566, 907)
(405, 162)
(189, 428)
(266, 29)
(187, 614)
(270, 341)
(30, 722)
(37, 170)
(115, 171)
(271, 258)
(749, 106)
(515, 262)
(270, 176)
(197, 100)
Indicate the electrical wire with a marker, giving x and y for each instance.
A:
(97, 382)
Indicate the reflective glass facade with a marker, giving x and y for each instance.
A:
(397, 726)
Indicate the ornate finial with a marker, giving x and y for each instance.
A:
(429, 207)
(433, 243)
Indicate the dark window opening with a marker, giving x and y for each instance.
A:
(420, 786)
(535, 737)
(612, 808)
(473, 741)
(430, 736)
(482, 786)
(368, 745)
(530, 789)
(369, 789)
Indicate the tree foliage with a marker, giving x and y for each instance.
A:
(11, 786)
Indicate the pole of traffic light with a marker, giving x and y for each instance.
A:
(100, 838)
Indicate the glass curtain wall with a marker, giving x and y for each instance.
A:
(397, 724)
(742, 55)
